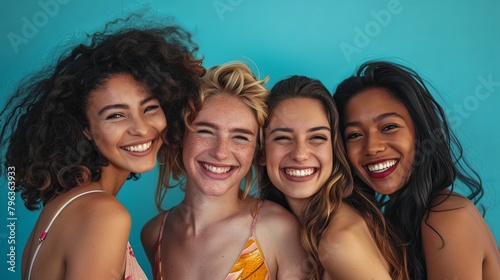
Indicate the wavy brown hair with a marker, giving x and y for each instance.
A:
(46, 116)
(234, 78)
(322, 206)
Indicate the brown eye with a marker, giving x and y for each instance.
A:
(114, 116)
(390, 127)
(353, 135)
(149, 108)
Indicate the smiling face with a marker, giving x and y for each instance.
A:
(298, 148)
(380, 140)
(125, 123)
(219, 151)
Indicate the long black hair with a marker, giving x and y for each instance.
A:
(438, 162)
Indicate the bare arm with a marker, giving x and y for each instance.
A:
(279, 234)
(100, 241)
(453, 241)
(351, 254)
(149, 236)
(292, 259)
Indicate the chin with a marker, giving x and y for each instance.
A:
(144, 169)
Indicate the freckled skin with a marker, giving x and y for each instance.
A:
(217, 140)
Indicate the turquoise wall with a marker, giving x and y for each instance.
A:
(453, 44)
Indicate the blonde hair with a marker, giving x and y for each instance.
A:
(234, 78)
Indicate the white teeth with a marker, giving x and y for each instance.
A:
(139, 148)
(299, 172)
(214, 169)
(381, 167)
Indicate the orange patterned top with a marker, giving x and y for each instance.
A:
(250, 265)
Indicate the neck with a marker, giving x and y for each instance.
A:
(111, 182)
(296, 205)
(201, 212)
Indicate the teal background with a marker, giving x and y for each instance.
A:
(453, 44)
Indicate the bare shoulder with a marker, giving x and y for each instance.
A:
(455, 233)
(451, 213)
(450, 200)
(100, 239)
(276, 216)
(347, 249)
(152, 227)
(101, 201)
(278, 232)
(150, 233)
(103, 213)
(346, 229)
(347, 220)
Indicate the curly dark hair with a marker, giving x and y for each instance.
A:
(439, 161)
(46, 116)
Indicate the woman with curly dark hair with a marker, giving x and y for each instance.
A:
(401, 147)
(77, 131)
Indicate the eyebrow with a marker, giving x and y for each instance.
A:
(289, 130)
(376, 119)
(237, 130)
(123, 106)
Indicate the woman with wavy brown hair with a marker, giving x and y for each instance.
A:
(306, 170)
(75, 132)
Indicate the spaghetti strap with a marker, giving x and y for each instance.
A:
(160, 235)
(251, 264)
(45, 232)
(157, 273)
(256, 214)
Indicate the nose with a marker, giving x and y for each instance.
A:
(221, 148)
(139, 126)
(300, 151)
(373, 144)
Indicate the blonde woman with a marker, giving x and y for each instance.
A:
(219, 231)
